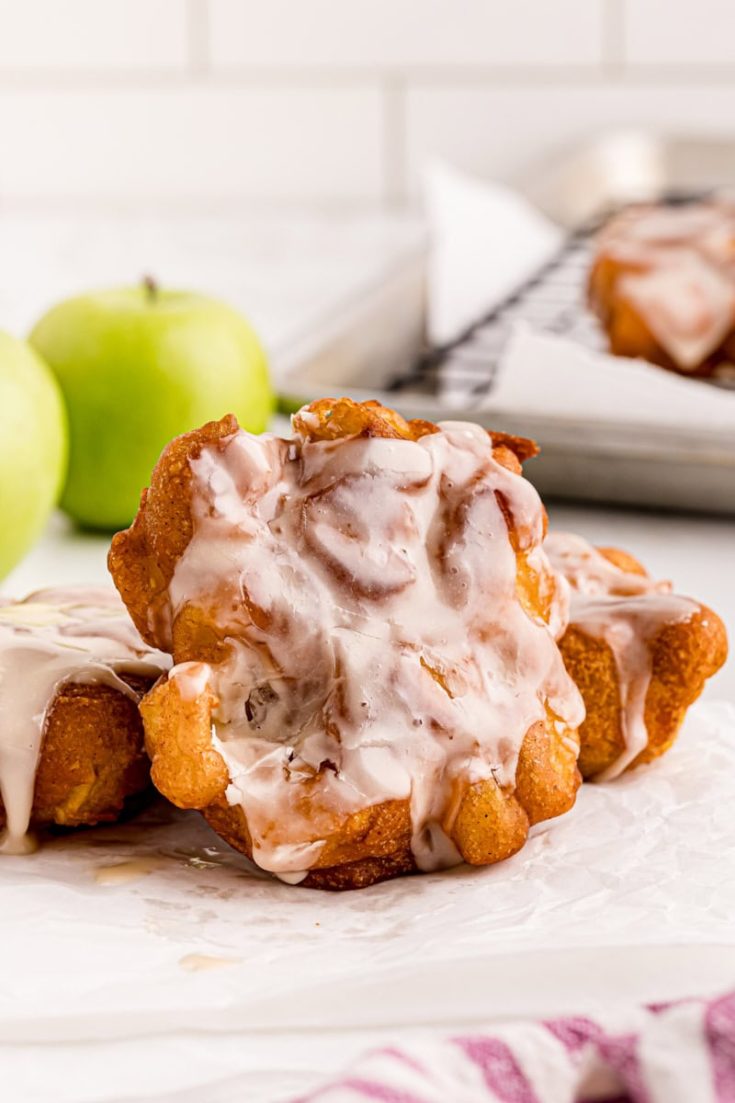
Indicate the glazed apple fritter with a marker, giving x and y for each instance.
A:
(366, 683)
(72, 670)
(639, 654)
(663, 285)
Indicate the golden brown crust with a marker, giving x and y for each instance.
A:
(381, 835)
(626, 328)
(683, 655)
(143, 557)
(491, 824)
(522, 447)
(178, 736)
(92, 757)
(362, 873)
(336, 418)
(624, 561)
(627, 332)
(547, 777)
(591, 664)
(373, 843)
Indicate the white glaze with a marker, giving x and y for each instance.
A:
(687, 303)
(52, 637)
(122, 873)
(591, 574)
(344, 573)
(626, 611)
(197, 963)
(294, 878)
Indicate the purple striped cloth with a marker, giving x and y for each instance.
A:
(672, 1053)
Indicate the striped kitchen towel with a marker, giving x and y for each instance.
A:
(673, 1053)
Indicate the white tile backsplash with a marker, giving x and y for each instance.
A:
(79, 35)
(683, 33)
(289, 143)
(501, 131)
(335, 100)
(404, 33)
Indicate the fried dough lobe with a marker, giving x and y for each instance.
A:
(640, 657)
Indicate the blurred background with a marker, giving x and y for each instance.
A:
(337, 103)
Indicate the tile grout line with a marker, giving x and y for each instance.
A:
(149, 79)
(200, 204)
(198, 40)
(613, 38)
(394, 140)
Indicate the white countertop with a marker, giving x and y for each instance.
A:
(289, 274)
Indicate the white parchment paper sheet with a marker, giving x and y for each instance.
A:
(629, 896)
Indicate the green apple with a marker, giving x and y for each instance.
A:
(33, 447)
(137, 367)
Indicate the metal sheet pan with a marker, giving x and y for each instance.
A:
(382, 340)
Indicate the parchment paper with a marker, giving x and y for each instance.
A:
(631, 895)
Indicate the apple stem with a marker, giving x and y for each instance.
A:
(151, 287)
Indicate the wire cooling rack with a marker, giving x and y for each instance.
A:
(551, 301)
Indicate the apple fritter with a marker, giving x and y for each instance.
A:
(72, 670)
(365, 680)
(639, 654)
(663, 285)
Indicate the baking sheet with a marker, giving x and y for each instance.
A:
(629, 896)
(473, 247)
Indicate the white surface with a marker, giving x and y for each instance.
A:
(173, 143)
